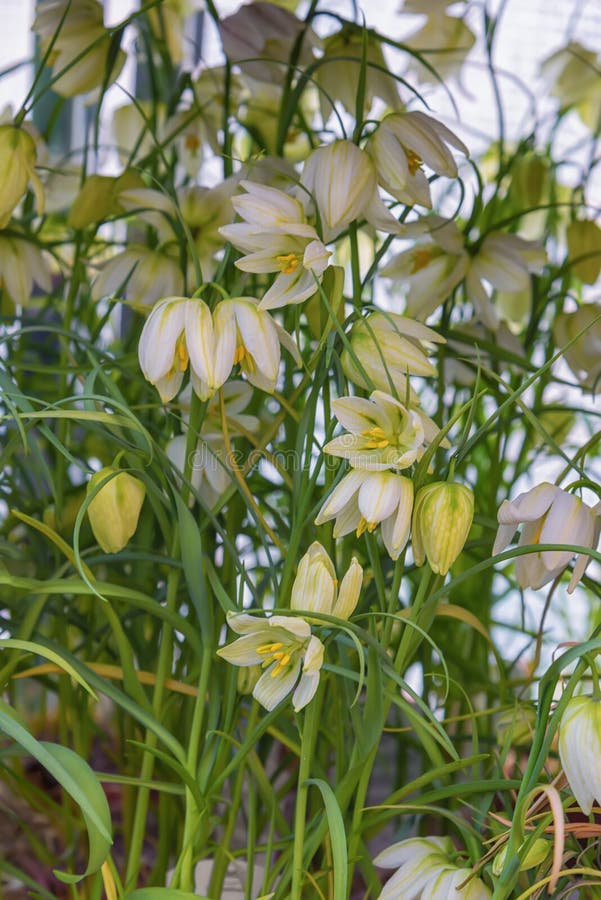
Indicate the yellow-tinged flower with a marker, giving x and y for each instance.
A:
(424, 868)
(75, 28)
(138, 126)
(551, 516)
(534, 856)
(285, 648)
(168, 20)
(386, 349)
(402, 144)
(21, 264)
(340, 69)
(580, 749)
(277, 238)
(179, 331)
(101, 196)
(573, 76)
(430, 270)
(115, 507)
(316, 589)
(284, 645)
(141, 275)
(443, 40)
(584, 355)
(442, 518)
(342, 181)
(18, 156)
(584, 249)
(385, 434)
(363, 499)
(505, 261)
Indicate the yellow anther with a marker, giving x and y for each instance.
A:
(240, 353)
(269, 648)
(192, 142)
(284, 659)
(289, 263)
(378, 438)
(364, 525)
(421, 258)
(181, 352)
(414, 162)
(243, 357)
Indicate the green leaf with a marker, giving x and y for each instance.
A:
(162, 893)
(53, 656)
(77, 778)
(337, 838)
(192, 559)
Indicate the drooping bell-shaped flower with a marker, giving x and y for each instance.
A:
(550, 516)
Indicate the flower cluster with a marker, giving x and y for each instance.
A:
(284, 645)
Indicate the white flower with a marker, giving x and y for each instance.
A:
(142, 275)
(260, 37)
(443, 40)
(316, 589)
(584, 355)
(402, 144)
(279, 239)
(505, 261)
(340, 69)
(425, 872)
(342, 181)
(432, 268)
(386, 348)
(364, 499)
(385, 434)
(285, 648)
(573, 76)
(551, 516)
(284, 645)
(21, 264)
(81, 45)
(18, 156)
(580, 749)
(179, 331)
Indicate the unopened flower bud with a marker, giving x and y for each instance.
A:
(247, 678)
(584, 249)
(17, 160)
(114, 509)
(442, 518)
(536, 854)
(580, 749)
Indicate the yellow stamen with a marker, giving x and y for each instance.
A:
(192, 142)
(421, 258)
(364, 525)
(289, 263)
(243, 357)
(378, 438)
(284, 659)
(269, 648)
(414, 162)
(181, 352)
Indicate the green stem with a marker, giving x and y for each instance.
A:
(138, 831)
(309, 735)
(408, 638)
(194, 744)
(222, 856)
